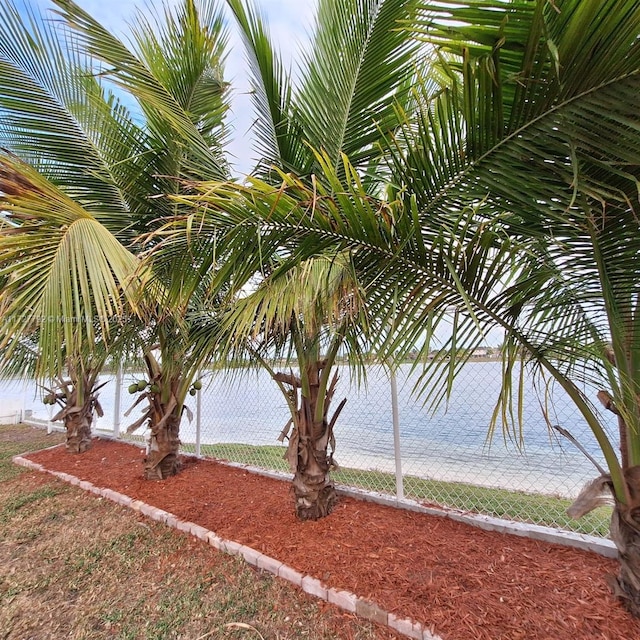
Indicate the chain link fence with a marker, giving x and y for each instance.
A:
(445, 458)
(441, 458)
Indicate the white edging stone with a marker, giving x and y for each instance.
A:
(230, 547)
(28, 464)
(200, 532)
(163, 516)
(184, 526)
(250, 555)
(290, 575)
(371, 611)
(343, 599)
(148, 510)
(124, 501)
(215, 541)
(269, 564)
(406, 627)
(65, 477)
(314, 587)
(172, 521)
(136, 505)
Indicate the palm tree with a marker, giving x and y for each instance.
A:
(47, 330)
(567, 131)
(341, 104)
(171, 355)
(107, 172)
(514, 204)
(76, 394)
(310, 313)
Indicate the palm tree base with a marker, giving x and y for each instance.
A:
(163, 460)
(625, 533)
(74, 446)
(628, 596)
(78, 434)
(159, 468)
(315, 497)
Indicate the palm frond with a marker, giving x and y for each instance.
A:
(416, 276)
(185, 50)
(359, 57)
(56, 116)
(125, 69)
(319, 293)
(66, 273)
(278, 136)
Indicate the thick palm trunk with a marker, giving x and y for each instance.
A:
(162, 460)
(78, 408)
(625, 533)
(162, 416)
(313, 489)
(625, 519)
(308, 453)
(78, 430)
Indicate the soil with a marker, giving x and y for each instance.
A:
(462, 582)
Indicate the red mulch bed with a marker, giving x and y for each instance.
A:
(465, 583)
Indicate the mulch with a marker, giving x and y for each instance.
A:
(462, 582)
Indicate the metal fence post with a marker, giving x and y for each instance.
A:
(198, 418)
(49, 422)
(116, 402)
(396, 435)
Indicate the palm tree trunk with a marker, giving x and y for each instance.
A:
(625, 533)
(78, 430)
(313, 489)
(162, 460)
(308, 451)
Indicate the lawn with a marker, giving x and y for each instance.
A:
(74, 566)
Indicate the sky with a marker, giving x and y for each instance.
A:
(290, 22)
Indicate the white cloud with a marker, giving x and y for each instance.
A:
(290, 22)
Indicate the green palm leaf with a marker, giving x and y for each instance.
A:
(185, 51)
(134, 75)
(65, 272)
(56, 116)
(278, 137)
(359, 57)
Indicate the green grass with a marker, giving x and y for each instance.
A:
(512, 505)
(18, 439)
(75, 566)
(13, 505)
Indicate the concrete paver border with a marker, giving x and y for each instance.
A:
(309, 584)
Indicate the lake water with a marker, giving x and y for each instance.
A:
(450, 444)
